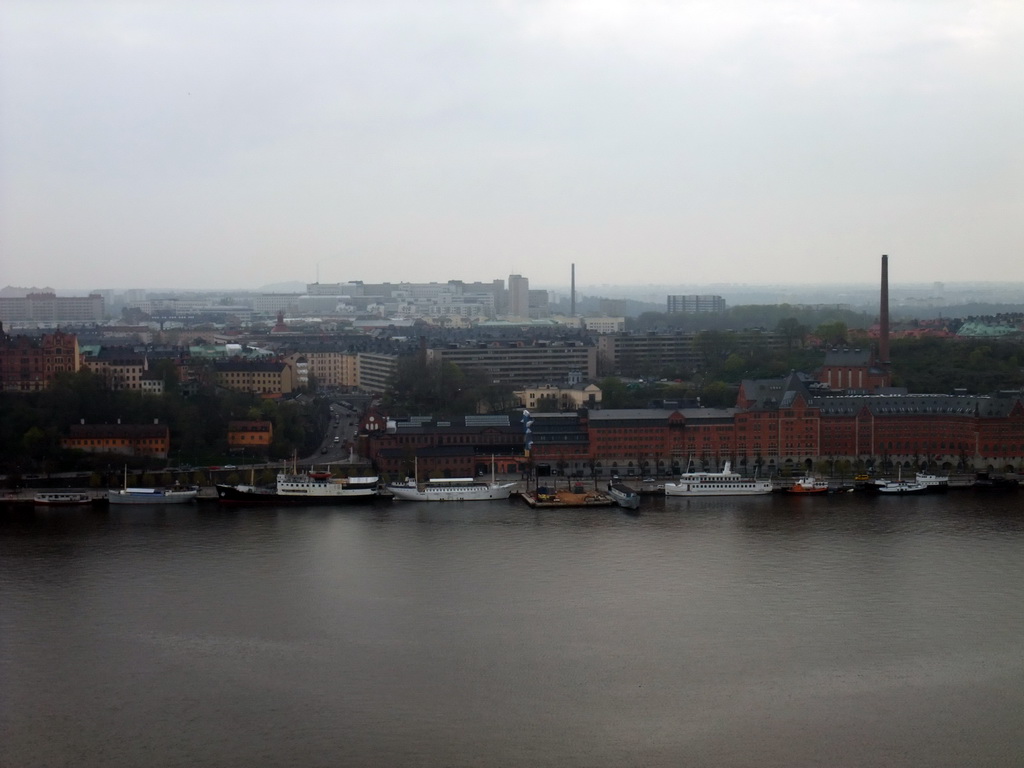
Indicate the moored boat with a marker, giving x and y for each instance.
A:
(174, 495)
(624, 496)
(986, 481)
(933, 483)
(61, 499)
(901, 486)
(151, 495)
(724, 483)
(451, 488)
(302, 488)
(809, 484)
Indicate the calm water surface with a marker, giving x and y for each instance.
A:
(771, 631)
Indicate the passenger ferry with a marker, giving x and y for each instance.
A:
(302, 488)
(724, 483)
(450, 489)
(934, 483)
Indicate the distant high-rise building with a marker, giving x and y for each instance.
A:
(695, 303)
(539, 304)
(518, 296)
(48, 308)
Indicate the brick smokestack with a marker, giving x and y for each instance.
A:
(572, 291)
(883, 316)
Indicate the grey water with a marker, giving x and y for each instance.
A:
(770, 631)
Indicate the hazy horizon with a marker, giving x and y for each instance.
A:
(860, 295)
(182, 143)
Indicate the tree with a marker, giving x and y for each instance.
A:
(714, 348)
(614, 393)
(833, 333)
(792, 330)
(718, 394)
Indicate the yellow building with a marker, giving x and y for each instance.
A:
(551, 397)
(266, 379)
(250, 434)
(125, 439)
(330, 368)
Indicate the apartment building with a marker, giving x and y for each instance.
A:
(521, 364)
(693, 303)
(375, 371)
(656, 353)
(50, 309)
(29, 364)
(265, 379)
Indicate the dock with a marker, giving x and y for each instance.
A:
(567, 499)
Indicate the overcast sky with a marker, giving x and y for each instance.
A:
(229, 145)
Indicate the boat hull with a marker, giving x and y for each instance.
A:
(251, 495)
(151, 496)
(61, 499)
(933, 483)
(688, 489)
(476, 492)
(901, 488)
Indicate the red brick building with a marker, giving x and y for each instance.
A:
(28, 364)
(787, 425)
(461, 447)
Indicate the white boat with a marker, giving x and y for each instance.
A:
(934, 483)
(901, 486)
(724, 483)
(451, 489)
(172, 495)
(624, 496)
(61, 499)
(303, 488)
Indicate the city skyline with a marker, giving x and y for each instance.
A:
(177, 145)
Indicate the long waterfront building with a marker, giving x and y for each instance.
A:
(788, 426)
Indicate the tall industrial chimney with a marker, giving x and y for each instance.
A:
(572, 292)
(883, 316)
